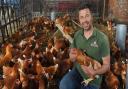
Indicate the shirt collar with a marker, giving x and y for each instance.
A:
(94, 32)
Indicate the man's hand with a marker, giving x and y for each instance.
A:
(104, 68)
(89, 71)
(73, 54)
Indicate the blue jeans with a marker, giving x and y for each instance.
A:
(72, 80)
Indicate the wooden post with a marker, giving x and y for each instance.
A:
(104, 10)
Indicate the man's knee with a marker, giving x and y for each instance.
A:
(66, 84)
(70, 81)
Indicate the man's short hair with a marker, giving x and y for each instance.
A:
(84, 6)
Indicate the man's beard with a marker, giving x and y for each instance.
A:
(88, 27)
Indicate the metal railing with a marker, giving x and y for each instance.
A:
(15, 24)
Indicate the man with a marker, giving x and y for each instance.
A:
(95, 44)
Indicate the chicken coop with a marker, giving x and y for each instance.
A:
(36, 38)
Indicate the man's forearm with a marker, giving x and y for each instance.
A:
(102, 70)
(105, 67)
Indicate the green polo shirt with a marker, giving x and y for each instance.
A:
(97, 46)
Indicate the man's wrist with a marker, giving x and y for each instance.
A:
(95, 73)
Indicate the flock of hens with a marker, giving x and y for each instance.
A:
(34, 58)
